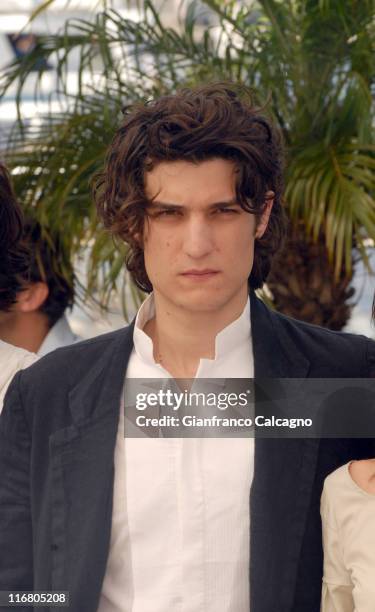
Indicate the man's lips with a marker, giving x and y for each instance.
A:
(200, 273)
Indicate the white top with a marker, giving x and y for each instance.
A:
(180, 523)
(60, 334)
(12, 359)
(348, 518)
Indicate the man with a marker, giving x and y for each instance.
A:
(193, 183)
(13, 261)
(37, 321)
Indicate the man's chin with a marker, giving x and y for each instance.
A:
(204, 302)
(208, 298)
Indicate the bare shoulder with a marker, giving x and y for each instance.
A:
(363, 474)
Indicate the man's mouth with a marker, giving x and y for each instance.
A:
(195, 273)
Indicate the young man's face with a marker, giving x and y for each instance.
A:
(198, 242)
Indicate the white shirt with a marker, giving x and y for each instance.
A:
(180, 522)
(60, 334)
(12, 359)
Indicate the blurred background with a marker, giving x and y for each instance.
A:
(68, 68)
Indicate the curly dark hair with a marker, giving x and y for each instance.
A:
(49, 263)
(13, 256)
(198, 124)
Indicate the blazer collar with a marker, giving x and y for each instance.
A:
(275, 353)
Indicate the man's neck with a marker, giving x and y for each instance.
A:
(27, 331)
(181, 337)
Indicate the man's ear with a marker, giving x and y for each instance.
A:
(265, 216)
(32, 297)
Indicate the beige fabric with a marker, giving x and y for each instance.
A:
(348, 519)
(12, 359)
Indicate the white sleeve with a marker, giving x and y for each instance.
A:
(337, 585)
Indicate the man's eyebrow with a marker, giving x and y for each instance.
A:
(170, 206)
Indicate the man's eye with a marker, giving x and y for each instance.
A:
(227, 210)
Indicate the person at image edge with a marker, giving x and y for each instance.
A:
(14, 261)
(193, 184)
(348, 523)
(36, 320)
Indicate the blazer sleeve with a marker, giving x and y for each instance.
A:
(16, 565)
(337, 586)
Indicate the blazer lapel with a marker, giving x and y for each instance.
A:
(82, 457)
(275, 354)
(283, 476)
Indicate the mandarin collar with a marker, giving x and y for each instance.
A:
(226, 341)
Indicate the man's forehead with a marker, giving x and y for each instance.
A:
(186, 184)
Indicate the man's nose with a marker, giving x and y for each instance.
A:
(198, 238)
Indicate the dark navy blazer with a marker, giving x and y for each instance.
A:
(57, 437)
